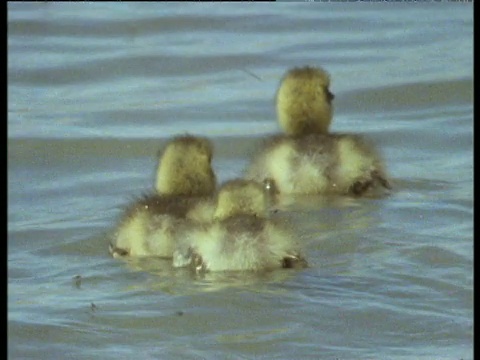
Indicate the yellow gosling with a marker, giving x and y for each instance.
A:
(307, 159)
(184, 185)
(241, 237)
(185, 167)
(304, 101)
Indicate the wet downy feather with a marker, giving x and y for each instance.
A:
(307, 158)
(184, 185)
(241, 236)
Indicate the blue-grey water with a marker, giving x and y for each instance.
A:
(95, 90)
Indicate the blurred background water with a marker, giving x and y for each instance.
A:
(95, 90)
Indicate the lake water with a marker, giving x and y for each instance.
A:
(95, 90)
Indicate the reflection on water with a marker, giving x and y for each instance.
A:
(181, 281)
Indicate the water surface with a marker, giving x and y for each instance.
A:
(95, 90)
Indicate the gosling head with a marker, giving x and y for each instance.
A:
(185, 167)
(241, 197)
(304, 101)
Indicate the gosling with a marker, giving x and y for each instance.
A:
(307, 158)
(241, 236)
(185, 183)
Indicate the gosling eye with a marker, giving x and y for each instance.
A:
(330, 96)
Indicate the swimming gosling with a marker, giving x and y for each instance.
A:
(241, 237)
(184, 185)
(307, 159)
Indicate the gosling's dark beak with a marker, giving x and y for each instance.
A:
(116, 252)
